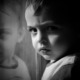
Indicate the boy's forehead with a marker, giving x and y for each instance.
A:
(45, 18)
(59, 15)
(29, 15)
(33, 20)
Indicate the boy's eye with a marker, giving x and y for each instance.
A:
(51, 28)
(32, 30)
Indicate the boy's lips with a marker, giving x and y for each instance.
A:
(44, 50)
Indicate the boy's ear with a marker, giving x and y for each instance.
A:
(21, 35)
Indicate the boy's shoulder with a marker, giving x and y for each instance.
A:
(75, 72)
(69, 71)
(62, 69)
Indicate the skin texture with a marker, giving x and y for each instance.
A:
(50, 39)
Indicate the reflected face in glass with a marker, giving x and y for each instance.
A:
(8, 32)
(50, 39)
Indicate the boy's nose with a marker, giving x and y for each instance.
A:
(42, 37)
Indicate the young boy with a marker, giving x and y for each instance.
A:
(55, 36)
(11, 33)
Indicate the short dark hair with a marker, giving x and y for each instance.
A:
(64, 11)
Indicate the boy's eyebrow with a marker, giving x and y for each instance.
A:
(43, 24)
(29, 27)
(46, 22)
(49, 23)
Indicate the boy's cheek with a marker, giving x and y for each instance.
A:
(53, 39)
(34, 43)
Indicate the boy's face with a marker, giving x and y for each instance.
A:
(9, 32)
(49, 39)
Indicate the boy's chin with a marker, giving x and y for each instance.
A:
(46, 57)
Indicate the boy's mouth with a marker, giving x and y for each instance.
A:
(44, 50)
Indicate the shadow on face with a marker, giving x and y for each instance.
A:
(61, 24)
